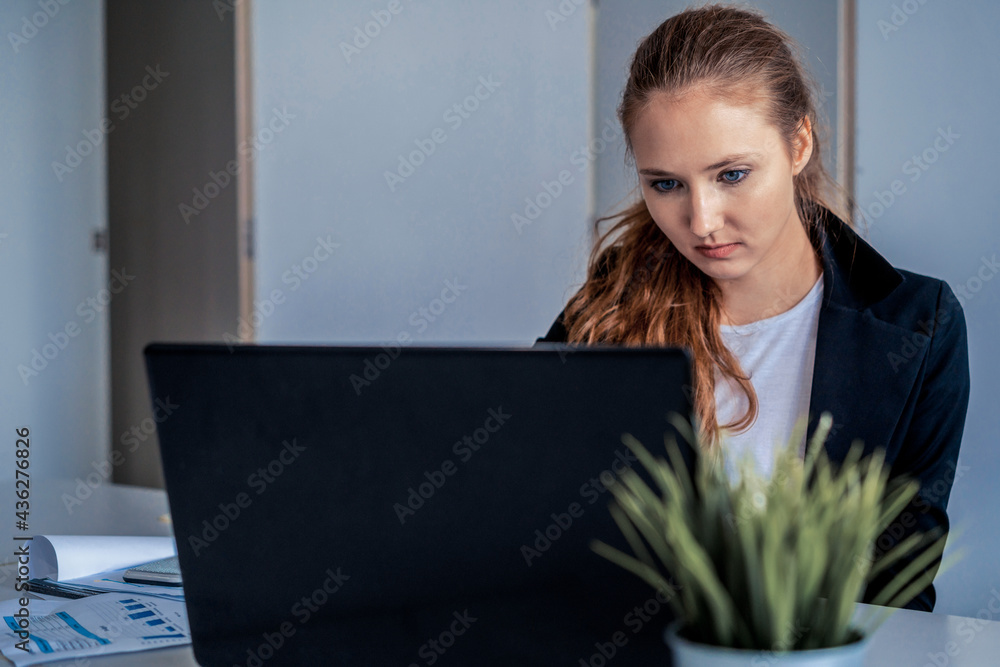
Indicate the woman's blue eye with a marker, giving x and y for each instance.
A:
(665, 186)
(735, 176)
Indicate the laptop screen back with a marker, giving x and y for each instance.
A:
(317, 492)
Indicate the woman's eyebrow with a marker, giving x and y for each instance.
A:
(729, 159)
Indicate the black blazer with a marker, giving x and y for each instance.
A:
(892, 367)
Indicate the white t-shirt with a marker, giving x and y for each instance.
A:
(778, 354)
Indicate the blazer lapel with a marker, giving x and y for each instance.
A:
(853, 375)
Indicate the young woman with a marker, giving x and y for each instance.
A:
(734, 251)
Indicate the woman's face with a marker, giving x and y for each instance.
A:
(717, 179)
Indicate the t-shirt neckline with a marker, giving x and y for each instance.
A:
(808, 300)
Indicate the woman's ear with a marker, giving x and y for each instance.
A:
(802, 146)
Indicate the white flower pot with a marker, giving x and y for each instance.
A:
(691, 654)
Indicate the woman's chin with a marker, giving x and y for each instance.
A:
(721, 270)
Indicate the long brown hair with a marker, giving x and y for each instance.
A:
(639, 289)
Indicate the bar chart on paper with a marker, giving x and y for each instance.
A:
(108, 623)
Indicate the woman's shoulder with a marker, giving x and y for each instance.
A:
(607, 260)
(923, 288)
(921, 307)
(919, 285)
(870, 282)
(933, 297)
(918, 288)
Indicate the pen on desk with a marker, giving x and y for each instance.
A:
(49, 587)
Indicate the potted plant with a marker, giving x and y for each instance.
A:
(761, 566)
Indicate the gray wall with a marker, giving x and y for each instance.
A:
(323, 175)
(452, 218)
(920, 75)
(51, 97)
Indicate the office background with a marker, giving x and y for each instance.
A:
(126, 123)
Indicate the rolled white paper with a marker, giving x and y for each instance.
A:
(65, 557)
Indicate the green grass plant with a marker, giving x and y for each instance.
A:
(768, 563)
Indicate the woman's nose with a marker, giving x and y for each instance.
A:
(706, 215)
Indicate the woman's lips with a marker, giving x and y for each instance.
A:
(718, 252)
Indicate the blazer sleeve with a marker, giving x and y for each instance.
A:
(930, 447)
(557, 332)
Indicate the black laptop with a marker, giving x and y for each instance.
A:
(360, 505)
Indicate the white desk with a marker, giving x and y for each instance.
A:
(907, 639)
(110, 510)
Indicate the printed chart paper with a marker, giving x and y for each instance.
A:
(101, 624)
